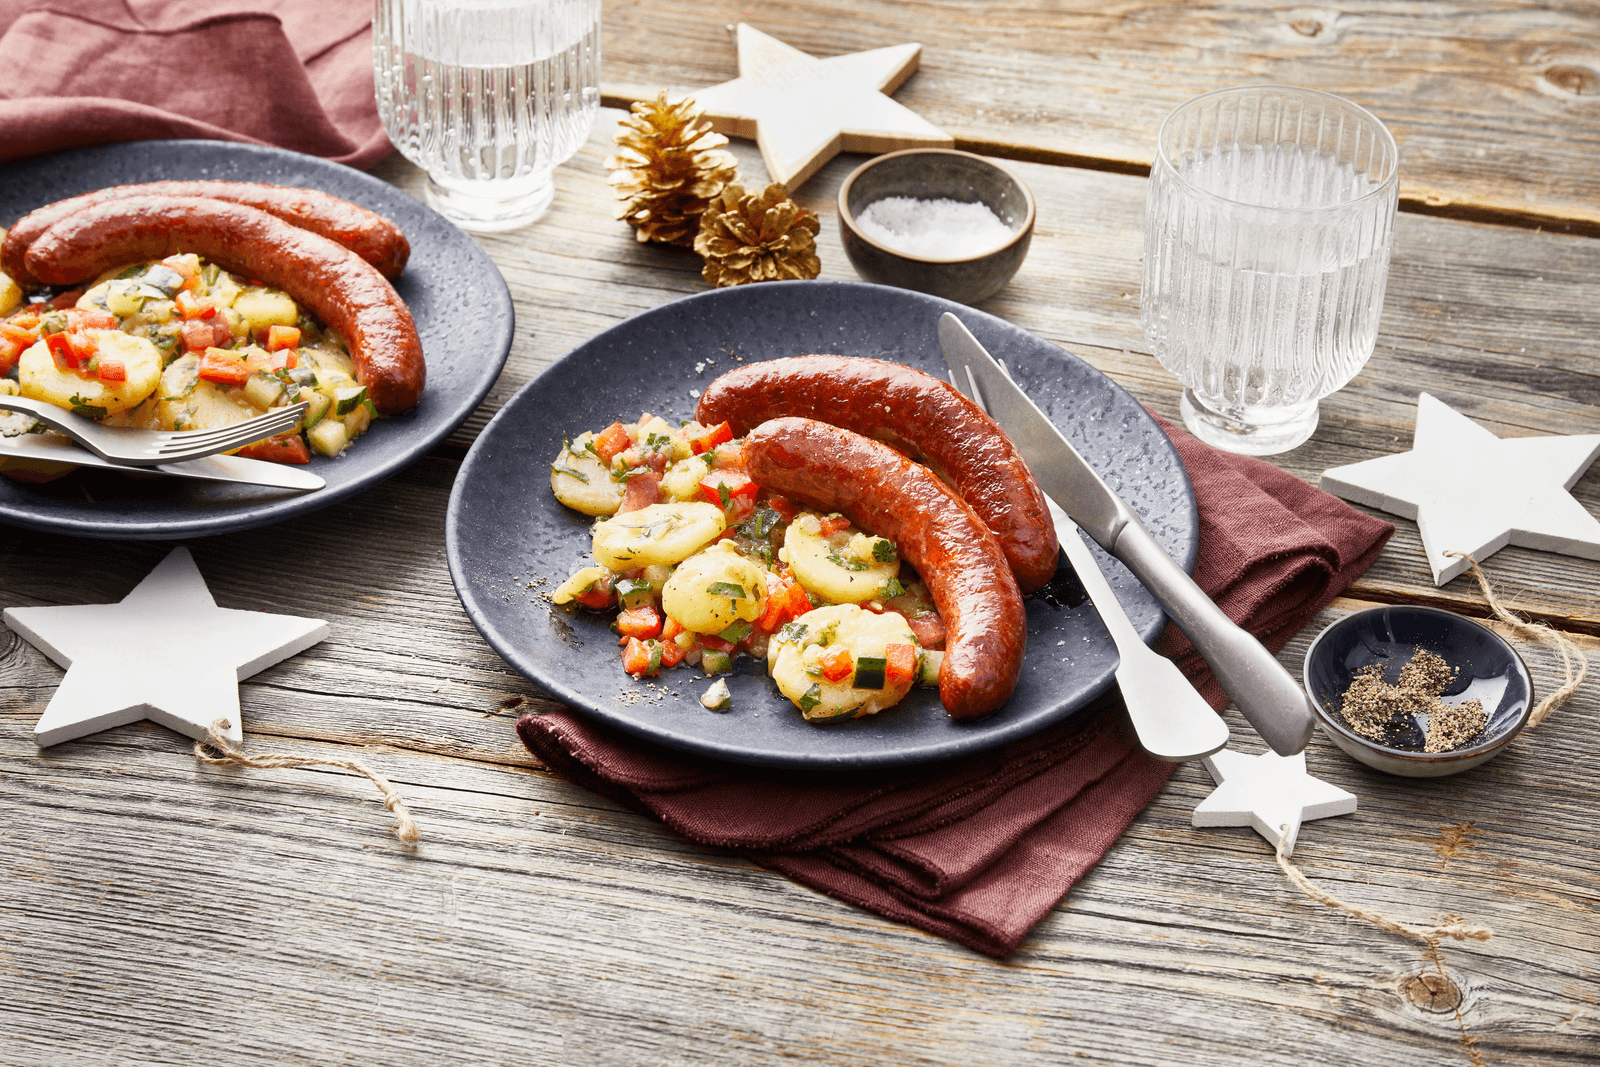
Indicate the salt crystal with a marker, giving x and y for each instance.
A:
(934, 229)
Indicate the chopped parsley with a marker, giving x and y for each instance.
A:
(794, 631)
(811, 698)
(892, 588)
(883, 550)
(584, 478)
(86, 409)
(731, 590)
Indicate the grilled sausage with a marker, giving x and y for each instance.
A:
(336, 285)
(366, 233)
(917, 414)
(882, 490)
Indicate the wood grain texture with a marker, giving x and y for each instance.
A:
(1496, 106)
(157, 910)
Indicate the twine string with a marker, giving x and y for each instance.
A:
(1537, 632)
(405, 828)
(1448, 925)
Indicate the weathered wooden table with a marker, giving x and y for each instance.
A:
(155, 910)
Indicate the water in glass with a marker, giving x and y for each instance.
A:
(488, 97)
(1265, 264)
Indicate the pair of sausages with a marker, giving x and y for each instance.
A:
(76, 240)
(839, 432)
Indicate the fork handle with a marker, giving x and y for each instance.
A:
(1266, 694)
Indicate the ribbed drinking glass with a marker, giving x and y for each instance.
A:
(1267, 235)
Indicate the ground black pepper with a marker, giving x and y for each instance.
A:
(1380, 711)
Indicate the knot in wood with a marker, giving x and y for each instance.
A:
(1579, 81)
(1306, 27)
(1433, 992)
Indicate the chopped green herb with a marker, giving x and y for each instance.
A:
(722, 495)
(584, 478)
(794, 631)
(883, 550)
(87, 410)
(737, 632)
(893, 588)
(811, 698)
(731, 590)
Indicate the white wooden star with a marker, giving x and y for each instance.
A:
(166, 652)
(1269, 792)
(1473, 492)
(803, 111)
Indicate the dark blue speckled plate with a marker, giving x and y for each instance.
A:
(449, 282)
(509, 542)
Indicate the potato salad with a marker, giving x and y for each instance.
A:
(701, 566)
(180, 344)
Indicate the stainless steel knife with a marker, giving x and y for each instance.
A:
(1267, 695)
(48, 448)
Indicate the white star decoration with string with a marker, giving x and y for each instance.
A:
(1268, 792)
(1470, 491)
(803, 111)
(166, 652)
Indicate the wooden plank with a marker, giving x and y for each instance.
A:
(1496, 106)
(165, 911)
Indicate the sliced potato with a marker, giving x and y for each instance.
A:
(188, 402)
(842, 569)
(265, 307)
(583, 483)
(10, 294)
(581, 582)
(794, 651)
(660, 533)
(714, 589)
(682, 479)
(41, 379)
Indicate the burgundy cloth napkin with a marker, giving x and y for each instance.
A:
(980, 850)
(291, 73)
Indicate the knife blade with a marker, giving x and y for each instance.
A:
(1265, 693)
(41, 448)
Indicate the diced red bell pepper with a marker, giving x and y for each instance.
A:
(787, 509)
(191, 306)
(711, 438)
(111, 370)
(637, 657)
(672, 653)
(602, 594)
(282, 337)
(643, 490)
(290, 448)
(83, 346)
(612, 440)
(730, 456)
(715, 643)
(185, 263)
(836, 662)
(26, 319)
(220, 365)
(900, 664)
(198, 336)
(642, 621)
(736, 484)
(91, 319)
(10, 352)
(832, 524)
(61, 351)
(799, 600)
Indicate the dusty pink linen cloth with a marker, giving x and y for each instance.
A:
(981, 850)
(292, 73)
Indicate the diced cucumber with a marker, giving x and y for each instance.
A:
(736, 632)
(717, 697)
(328, 437)
(870, 672)
(928, 668)
(347, 398)
(263, 390)
(124, 301)
(356, 423)
(634, 592)
(319, 403)
(714, 662)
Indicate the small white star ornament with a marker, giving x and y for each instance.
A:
(166, 652)
(803, 111)
(1470, 491)
(1268, 792)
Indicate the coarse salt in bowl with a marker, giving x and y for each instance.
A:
(936, 220)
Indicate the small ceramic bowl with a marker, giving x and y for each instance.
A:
(1487, 669)
(935, 174)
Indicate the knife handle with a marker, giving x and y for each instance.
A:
(1268, 696)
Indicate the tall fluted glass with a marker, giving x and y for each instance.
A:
(1267, 235)
(488, 97)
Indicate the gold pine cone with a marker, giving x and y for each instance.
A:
(757, 238)
(667, 168)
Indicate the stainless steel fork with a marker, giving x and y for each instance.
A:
(1172, 720)
(146, 448)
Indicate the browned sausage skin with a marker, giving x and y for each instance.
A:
(917, 414)
(333, 283)
(882, 490)
(366, 233)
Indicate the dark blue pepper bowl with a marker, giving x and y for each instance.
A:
(1487, 668)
